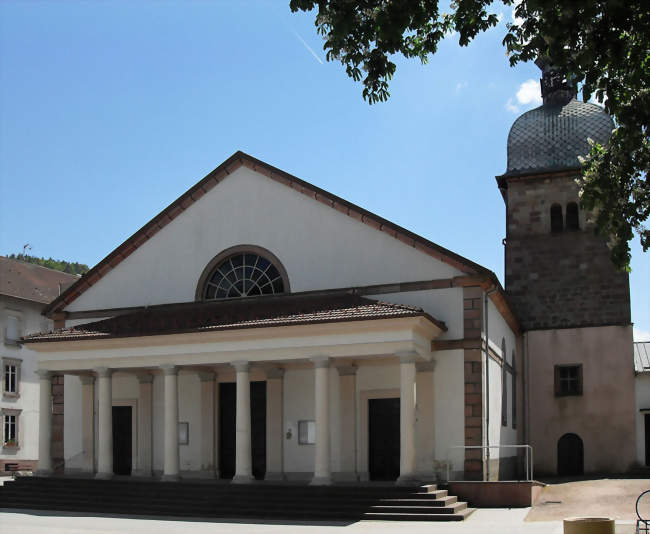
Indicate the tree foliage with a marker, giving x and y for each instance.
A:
(57, 265)
(603, 46)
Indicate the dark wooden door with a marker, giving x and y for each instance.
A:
(227, 419)
(122, 436)
(570, 455)
(383, 439)
(646, 418)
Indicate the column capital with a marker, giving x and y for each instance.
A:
(425, 367)
(87, 379)
(145, 378)
(103, 372)
(169, 369)
(320, 362)
(274, 372)
(407, 356)
(241, 366)
(205, 375)
(44, 374)
(347, 370)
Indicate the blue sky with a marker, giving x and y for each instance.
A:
(110, 110)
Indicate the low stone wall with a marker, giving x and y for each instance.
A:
(497, 494)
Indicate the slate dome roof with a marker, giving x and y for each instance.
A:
(552, 136)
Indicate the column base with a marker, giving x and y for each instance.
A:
(275, 475)
(104, 476)
(43, 473)
(321, 481)
(170, 478)
(242, 479)
(407, 480)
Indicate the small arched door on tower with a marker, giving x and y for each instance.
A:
(570, 455)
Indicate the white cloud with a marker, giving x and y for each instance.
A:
(529, 93)
(640, 335)
(460, 86)
(510, 106)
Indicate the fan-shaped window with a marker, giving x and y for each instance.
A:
(572, 222)
(243, 274)
(557, 224)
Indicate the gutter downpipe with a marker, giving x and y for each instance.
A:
(487, 382)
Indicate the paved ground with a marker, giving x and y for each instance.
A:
(596, 498)
(494, 521)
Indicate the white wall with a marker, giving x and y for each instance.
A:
(449, 407)
(31, 322)
(642, 389)
(499, 330)
(319, 247)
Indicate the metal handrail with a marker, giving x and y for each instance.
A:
(641, 522)
(528, 448)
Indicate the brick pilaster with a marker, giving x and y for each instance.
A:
(474, 373)
(57, 422)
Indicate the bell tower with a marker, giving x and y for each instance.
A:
(572, 303)
(557, 271)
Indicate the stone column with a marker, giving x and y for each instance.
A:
(322, 470)
(407, 418)
(425, 423)
(243, 453)
(44, 423)
(88, 423)
(145, 436)
(347, 418)
(171, 456)
(207, 421)
(274, 424)
(105, 423)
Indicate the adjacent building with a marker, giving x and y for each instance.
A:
(25, 289)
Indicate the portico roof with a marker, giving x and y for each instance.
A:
(234, 314)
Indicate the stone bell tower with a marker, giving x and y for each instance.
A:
(573, 304)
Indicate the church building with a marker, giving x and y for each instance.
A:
(260, 327)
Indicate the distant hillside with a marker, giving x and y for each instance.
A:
(57, 265)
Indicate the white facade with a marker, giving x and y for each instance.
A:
(330, 372)
(19, 317)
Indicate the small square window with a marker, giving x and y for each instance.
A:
(306, 432)
(568, 380)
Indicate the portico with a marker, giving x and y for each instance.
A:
(302, 365)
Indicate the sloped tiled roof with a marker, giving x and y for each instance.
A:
(32, 282)
(642, 356)
(551, 137)
(239, 313)
(229, 166)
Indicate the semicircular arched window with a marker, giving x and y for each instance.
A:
(243, 274)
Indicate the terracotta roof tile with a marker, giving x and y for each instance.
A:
(232, 314)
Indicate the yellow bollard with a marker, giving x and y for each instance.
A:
(589, 525)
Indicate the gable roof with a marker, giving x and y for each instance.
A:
(29, 281)
(234, 162)
(237, 313)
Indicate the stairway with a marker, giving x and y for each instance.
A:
(214, 499)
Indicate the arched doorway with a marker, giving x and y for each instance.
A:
(570, 455)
